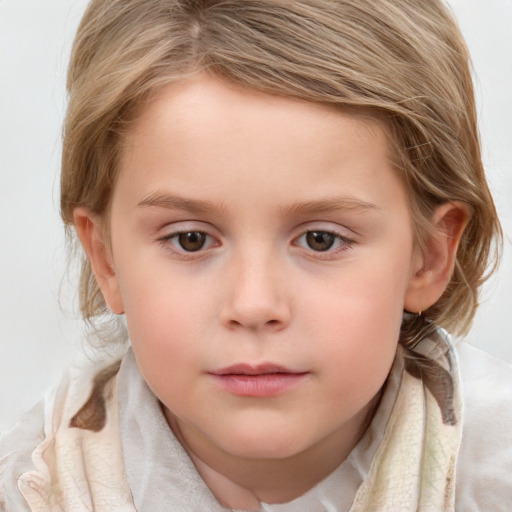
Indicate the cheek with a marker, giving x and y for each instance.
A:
(162, 323)
(366, 301)
(356, 322)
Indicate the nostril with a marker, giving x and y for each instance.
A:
(255, 312)
(269, 324)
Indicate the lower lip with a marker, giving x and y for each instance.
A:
(265, 385)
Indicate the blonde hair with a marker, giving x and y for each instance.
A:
(400, 61)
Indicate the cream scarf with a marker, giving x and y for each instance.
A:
(80, 467)
(414, 466)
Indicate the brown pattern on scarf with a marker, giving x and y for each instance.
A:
(93, 414)
(437, 380)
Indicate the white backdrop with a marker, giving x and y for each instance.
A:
(38, 330)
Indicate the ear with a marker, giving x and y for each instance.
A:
(90, 232)
(433, 267)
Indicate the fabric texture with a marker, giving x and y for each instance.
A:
(127, 458)
(79, 466)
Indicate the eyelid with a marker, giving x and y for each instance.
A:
(347, 242)
(338, 236)
(185, 226)
(174, 230)
(327, 227)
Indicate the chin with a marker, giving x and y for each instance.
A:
(265, 445)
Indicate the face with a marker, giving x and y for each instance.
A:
(263, 252)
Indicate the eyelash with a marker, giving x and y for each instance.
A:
(167, 242)
(343, 243)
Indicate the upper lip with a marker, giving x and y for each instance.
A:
(249, 369)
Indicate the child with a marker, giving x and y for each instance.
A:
(285, 204)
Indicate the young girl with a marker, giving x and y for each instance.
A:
(283, 205)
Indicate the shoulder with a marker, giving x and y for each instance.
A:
(80, 393)
(484, 470)
(16, 447)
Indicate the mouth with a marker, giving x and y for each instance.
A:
(265, 380)
(247, 369)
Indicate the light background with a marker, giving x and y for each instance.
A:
(38, 330)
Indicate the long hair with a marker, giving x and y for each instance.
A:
(403, 62)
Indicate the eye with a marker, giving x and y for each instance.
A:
(188, 241)
(322, 241)
(191, 241)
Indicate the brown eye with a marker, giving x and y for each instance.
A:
(320, 240)
(191, 241)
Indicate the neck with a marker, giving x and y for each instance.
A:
(242, 483)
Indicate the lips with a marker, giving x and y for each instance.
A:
(247, 369)
(264, 380)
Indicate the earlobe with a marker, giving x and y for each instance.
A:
(89, 230)
(433, 268)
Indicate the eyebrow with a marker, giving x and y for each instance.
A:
(196, 206)
(332, 204)
(179, 203)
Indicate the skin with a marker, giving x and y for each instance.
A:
(257, 175)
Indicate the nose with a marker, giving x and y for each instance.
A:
(257, 296)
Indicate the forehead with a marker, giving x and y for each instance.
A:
(205, 135)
